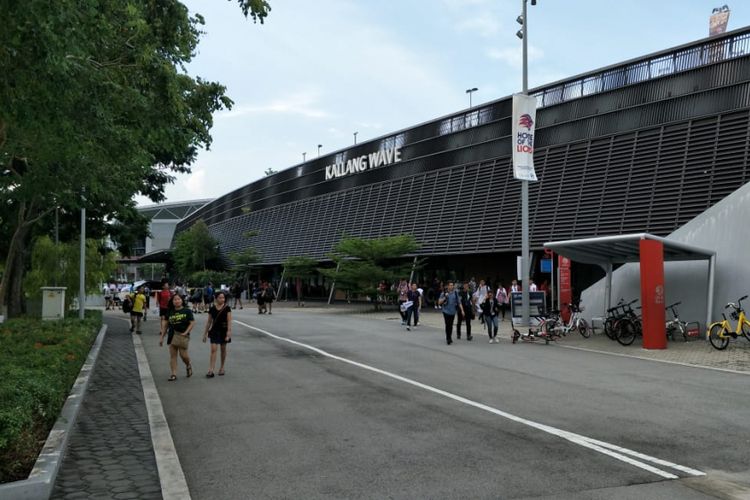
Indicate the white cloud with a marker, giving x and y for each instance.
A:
(513, 56)
(195, 183)
(303, 103)
(482, 25)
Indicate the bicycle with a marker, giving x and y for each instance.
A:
(555, 326)
(720, 332)
(676, 325)
(614, 319)
(629, 326)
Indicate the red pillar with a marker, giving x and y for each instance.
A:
(652, 294)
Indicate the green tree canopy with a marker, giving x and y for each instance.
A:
(95, 107)
(299, 268)
(195, 250)
(364, 263)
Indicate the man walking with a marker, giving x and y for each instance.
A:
(413, 310)
(451, 304)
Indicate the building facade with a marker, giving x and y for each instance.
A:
(641, 146)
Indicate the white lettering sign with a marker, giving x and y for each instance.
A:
(522, 135)
(358, 165)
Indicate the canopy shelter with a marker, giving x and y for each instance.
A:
(155, 257)
(651, 252)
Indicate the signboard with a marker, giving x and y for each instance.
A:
(377, 159)
(537, 302)
(717, 24)
(545, 265)
(522, 137)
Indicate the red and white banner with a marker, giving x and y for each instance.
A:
(522, 136)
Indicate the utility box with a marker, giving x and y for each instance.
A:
(53, 302)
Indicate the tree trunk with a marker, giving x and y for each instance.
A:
(11, 298)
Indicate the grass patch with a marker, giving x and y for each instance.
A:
(39, 361)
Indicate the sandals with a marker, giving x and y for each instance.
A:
(189, 370)
(172, 378)
(221, 374)
(210, 375)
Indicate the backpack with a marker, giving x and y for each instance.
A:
(127, 304)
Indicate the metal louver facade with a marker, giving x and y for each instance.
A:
(642, 146)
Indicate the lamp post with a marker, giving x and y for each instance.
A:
(523, 34)
(471, 91)
(82, 268)
(355, 137)
(303, 157)
(319, 146)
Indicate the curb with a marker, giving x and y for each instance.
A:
(41, 481)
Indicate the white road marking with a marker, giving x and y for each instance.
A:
(605, 448)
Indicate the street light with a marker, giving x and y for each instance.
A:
(319, 146)
(523, 34)
(471, 91)
(355, 137)
(303, 157)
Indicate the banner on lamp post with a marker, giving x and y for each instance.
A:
(524, 121)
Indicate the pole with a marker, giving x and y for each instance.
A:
(413, 266)
(525, 188)
(552, 278)
(333, 285)
(82, 269)
(281, 283)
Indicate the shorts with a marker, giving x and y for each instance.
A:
(163, 312)
(218, 337)
(134, 314)
(208, 300)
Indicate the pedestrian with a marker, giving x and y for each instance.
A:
(237, 294)
(419, 309)
(180, 322)
(208, 296)
(450, 304)
(219, 330)
(147, 293)
(139, 304)
(532, 286)
(502, 297)
(402, 290)
(467, 303)
(269, 297)
(514, 286)
(479, 296)
(415, 298)
(490, 310)
(162, 297)
(261, 298)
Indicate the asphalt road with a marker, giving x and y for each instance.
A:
(470, 420)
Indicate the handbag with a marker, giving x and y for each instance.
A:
(406, 305)
(180, 341)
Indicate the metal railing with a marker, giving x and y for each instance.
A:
(681, 60)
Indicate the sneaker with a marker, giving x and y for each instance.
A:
(469, 338)
(408, 328)
(403, 322)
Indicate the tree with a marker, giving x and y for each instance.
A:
(91, 116)
(299, 268)
(195, 250)
(362, 264)
(244, 261)
(95, 107)
(59, 264)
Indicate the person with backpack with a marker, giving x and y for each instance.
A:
(503, 298)
(490, 310)
(467, 304)
(450, 303)
(139, 305)
(208, 296)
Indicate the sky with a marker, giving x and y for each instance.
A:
(318, 71)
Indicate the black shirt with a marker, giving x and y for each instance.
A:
(219, 319)
(179, 321)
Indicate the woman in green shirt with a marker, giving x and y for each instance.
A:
(181, 322)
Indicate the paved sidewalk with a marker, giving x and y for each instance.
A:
(110, 453)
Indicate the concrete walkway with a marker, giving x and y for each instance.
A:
(110, 454)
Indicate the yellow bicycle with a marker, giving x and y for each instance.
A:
(720, 332)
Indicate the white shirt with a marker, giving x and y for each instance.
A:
(532, 287)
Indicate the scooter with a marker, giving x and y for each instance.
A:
(532, 335)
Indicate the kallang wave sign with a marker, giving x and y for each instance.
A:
(524, 118)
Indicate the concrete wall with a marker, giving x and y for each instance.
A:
(724, 228)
